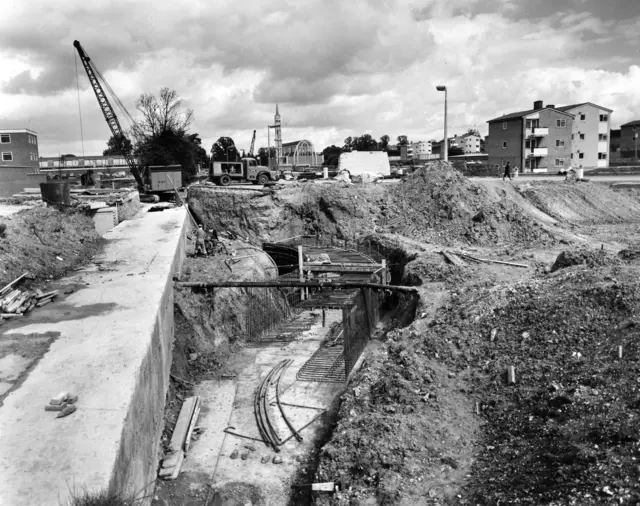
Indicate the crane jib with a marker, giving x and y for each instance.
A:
(109, 113)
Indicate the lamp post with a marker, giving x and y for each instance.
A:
(446, 141)
(635, 139)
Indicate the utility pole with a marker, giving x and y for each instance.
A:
(635, 138)
(446, 141)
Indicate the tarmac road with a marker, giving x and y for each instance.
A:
(632, 178)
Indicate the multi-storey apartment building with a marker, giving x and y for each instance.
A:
(470, 143)
(590, 135)
(629, 137)
(536, 140)
(19, 148)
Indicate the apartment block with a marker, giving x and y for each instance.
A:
(590, 137)
(629, 137)
(470, 144)
(421, 150)
(535, 140)
(19, 148)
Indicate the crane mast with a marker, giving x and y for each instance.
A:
(253, 143)
(109, 114)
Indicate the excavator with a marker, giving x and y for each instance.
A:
(152, 181)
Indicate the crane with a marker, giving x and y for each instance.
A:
(253, 143)
(95, 78)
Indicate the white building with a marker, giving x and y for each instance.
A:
(470, 144)
(421, 150)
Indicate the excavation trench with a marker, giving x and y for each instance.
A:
(228, 339)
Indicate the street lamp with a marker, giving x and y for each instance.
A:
(446, 141)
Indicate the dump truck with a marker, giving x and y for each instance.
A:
(246, 170)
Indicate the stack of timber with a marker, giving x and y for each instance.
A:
(181, 438)
(15, 303)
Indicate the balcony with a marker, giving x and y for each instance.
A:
(537, 152)
(537, 132)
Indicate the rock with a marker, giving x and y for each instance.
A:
(264, 459)
(193, 356)
(607, 490)
(277, 459)
(234, 454)
(559, 401)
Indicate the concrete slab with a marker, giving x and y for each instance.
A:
(113, 349)
(230, 402)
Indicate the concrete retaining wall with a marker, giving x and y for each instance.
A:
(114, 351)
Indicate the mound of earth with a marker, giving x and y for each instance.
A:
(45, 242)
(440, 205)
(580, 256)
(581, 203)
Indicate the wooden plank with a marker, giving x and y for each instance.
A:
(11, 315)
(43, 302)
(49, 294)
(172, 473)
(194, 419)
(7, 287)
(323, 487)
(13, 307)
(486, 260)
(182, 425)
(11, 297)
(451, 258)
(170, 460)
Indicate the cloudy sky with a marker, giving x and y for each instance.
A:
(336, 67)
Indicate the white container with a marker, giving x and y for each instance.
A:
(580, 173)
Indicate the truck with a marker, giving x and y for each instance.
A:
(246, 170)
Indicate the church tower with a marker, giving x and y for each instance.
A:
(278, 136)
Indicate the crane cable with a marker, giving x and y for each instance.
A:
(79, 109)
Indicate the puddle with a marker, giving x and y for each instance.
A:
(12, 366)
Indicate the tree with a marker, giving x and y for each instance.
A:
(348, 144)
(473, 131)
(224, 149)
(384, 142)
(115, 145)
(365, 143)
(455, 151)
(402, 140)
(161, 115)
(331, 155)
(161, 136)
(201, 155)
(263, 155)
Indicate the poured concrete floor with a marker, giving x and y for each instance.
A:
(229, 402)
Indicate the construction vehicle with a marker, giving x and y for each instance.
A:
(246, 170)
(150, 182)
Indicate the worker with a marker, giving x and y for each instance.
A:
(507, 171)
(211, 242)
(200, 238)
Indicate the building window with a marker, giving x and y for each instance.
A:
(504, 125)
(572, 156)
(583, 117)
(581, 155)
(581, 137)
(504, 144)
(5, 138)
(602, 137)
(561, 123)
(559, 162)
(559, 143)
(602, 156)
(527, 144)
(7, 156)
(604, 117)
(49, 164)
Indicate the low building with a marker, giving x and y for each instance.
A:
(535, 140)
(421, 150)
(406, 152)
(300, 154)
(19, 148)
(471, 143)
(95, 162)
(614, 144)
(629, 137)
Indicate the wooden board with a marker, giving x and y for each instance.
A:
(172, 473)
(194, 419)
(182, 425)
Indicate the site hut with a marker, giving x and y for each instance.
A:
(19, 167)
(536, 140)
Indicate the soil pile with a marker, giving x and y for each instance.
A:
(443, 206)
(45, 242)
(589, 257)
(581, 203)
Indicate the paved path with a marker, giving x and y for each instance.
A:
(596, 179)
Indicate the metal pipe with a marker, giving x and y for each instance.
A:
(294, 284)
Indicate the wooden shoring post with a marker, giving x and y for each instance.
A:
(384, 271)
(300, 269)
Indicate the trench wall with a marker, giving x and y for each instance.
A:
(114, 350)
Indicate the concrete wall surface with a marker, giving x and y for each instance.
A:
(114, 351)
(14, 179)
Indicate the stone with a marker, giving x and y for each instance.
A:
(234, 454)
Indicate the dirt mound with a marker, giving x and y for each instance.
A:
(441, 205)
(588, 203)
(45, 242)
(586, 256)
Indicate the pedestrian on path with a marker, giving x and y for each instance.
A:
(507, 171)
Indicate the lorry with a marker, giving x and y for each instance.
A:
(246, 170)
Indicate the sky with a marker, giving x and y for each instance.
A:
(336, 68)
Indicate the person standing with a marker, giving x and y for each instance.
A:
(200, 238)
(507, 171)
